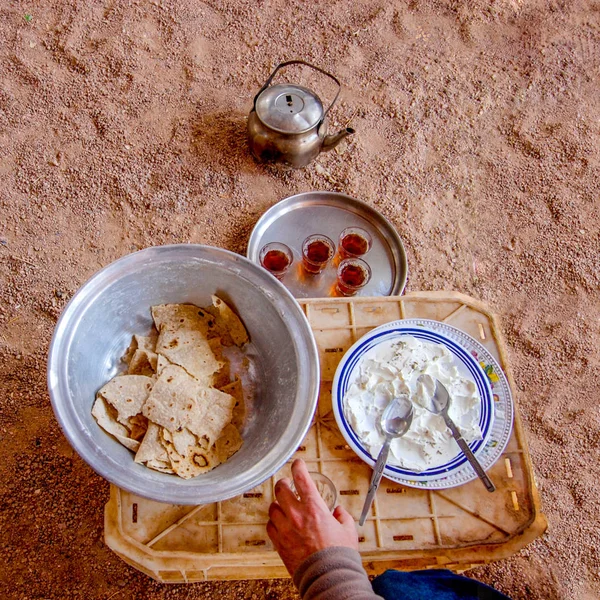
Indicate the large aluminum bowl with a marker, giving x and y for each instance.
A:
(96, 328)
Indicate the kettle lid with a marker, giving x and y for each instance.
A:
(289, 108)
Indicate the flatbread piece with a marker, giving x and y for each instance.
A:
(127, 393)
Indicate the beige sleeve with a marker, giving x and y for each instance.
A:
(334, 574)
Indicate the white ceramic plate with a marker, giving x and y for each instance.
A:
(495, 419)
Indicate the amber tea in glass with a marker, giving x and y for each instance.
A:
(352, 275)
(276, 258)
(354, 242)
(317, 251)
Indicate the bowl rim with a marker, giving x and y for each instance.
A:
(405, 327)
(176, 490)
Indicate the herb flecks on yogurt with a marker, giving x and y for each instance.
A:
(391, 370)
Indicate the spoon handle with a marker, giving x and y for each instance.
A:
(469, 454)
(375, 478)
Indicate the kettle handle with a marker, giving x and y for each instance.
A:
(300, 62)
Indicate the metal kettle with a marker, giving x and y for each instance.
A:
(288, 125)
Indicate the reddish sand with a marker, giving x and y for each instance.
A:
(122, 125)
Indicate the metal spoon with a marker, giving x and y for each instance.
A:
(440, 404)
(395, 422)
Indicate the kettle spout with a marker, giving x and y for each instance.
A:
(331, 141)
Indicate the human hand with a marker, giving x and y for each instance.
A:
(299, 528)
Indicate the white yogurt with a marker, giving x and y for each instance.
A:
(391, 370)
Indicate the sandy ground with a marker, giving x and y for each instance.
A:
(122, 125)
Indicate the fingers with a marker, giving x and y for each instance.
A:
(285, 497)
(343, 516)
(272, 533)
(345, 519)
(304, 484)
(277, 516)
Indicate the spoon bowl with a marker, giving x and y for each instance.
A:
(395, 421)
(439, 404)
(397, 417)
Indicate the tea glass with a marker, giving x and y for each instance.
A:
(276, 258)
(354, 242)
(352, 275)
(317, 251)
(325, 487)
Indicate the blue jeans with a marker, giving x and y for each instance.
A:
(433, 584)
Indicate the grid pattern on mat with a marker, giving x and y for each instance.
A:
(411, 528)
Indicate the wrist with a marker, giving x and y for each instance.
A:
(324, 561)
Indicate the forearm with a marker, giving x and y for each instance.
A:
(334, 574)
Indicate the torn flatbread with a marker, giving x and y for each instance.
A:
(167, 408)
(227, 324)
(151, 447)
(147, 342)
(181, 440)
(236, 390)
(127, 393)
(188, 457)
(182, 339)
(179, 401)
(141, 342)
(138, 425)
(161, 363)
(228, 444)
(105, 415)
(142, 363)
(160, 465)
(223, 376)
(218, 415)
(126, 358)
(181, 315)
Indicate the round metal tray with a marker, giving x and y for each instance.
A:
(293, 219)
